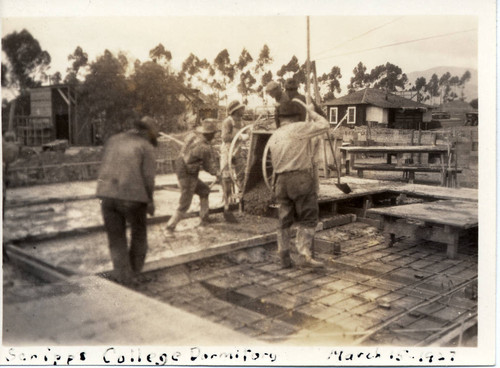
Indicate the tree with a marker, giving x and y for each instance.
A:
(388, 77)
(330, 80)
(247, 80)
(432, 86)
(444, 85)
(420, 86)
(26, 65)
(474, 103)
(161, 56)
(56, 78)
(106, 94)
(359, 80)
(464, 79)
(263, 74)
(225, 72)
(155, 93)
(79, 61)
(27, 62)
(289, 70)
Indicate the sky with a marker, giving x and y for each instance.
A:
(340, 35)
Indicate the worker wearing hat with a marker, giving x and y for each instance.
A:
(274, 90)
(196, 154)
(125, 187)
(291, 90)
(230, 126)
(294, 183)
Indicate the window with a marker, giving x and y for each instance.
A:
(351, 115)
(334, 115)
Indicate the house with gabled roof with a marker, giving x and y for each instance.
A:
(374, 106)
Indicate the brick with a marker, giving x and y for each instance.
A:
(358, 323)
(363, 308)
(334, 299)
(419, 292)
(272, 280)
(322, 280)
(339, 285)
(450, 313)
(354, 276)
(406, 302)
(275, 328)
(373, 293)
(313, 309)
(350, 303)
(227, 283)
(437, 267)
(356, 289)
(211, 304)
(283, 300)
(254, 291)
(379, 267)
(250, 331)
(421, 263)
(299, 288)
(316, 293)
(384, 284)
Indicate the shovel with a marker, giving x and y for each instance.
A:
(345, 188)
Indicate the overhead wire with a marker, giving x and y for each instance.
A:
(359, 36)
(396, 44)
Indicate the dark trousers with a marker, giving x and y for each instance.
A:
(189, 185)
(297, 199)
(116, 214)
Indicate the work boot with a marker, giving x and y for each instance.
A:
(172, 223)
(285, 259)
(283, 236)
(305, 239)
(204, 211)
(229, 217)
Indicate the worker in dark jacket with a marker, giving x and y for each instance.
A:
(125, 186)
(196, 154)
(291, 90)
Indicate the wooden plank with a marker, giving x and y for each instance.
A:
(395, 149)
(461, 214)
(232, 246)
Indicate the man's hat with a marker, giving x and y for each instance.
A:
(234, 106)
(207, 126)
(271, 86)
(291, 83)
(147, 123)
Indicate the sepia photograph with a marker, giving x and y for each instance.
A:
(268, 183)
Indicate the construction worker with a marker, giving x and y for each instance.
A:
(230, 126)
(274, 90)
(291, 90)
(196, 154)
(125, 187)
(294, 182)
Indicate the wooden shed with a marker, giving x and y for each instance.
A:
(376, 106)
(53, 116)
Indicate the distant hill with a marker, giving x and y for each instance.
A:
(470, 89)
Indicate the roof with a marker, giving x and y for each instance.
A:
(376, 97)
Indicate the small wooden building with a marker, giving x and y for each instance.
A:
(374, 106)
(53, 116)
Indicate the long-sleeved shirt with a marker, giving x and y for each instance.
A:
(128, 168)
(197, 154)
(291, 147)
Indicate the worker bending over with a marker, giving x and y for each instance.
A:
(294, 182)
(196, 154)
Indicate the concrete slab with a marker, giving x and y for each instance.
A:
(100, 312)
